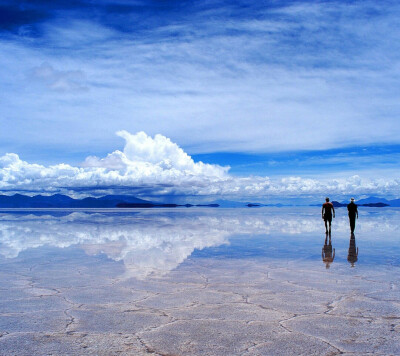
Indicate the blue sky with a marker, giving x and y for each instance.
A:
(277, 89)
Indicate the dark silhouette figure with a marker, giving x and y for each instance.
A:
(352, 255)
(353, 214)
(327, 210)
(328, 254)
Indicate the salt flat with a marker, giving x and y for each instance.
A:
(199, 282)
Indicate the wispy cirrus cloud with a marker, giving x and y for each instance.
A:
(59, 80)
(215, 77)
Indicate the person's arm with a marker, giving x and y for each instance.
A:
(356, 212)
(322, 212)
(333, 209)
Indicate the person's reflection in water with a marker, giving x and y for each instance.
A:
(352, 256)
(328, 254)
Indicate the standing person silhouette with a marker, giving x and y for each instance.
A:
(327, 210)
(353, 214)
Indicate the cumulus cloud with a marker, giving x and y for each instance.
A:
(145, 161)
(156, 166)
(153, 156)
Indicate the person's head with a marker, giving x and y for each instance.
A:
(326, 199)
(352, 200)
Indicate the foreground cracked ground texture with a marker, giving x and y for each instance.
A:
(204, 307)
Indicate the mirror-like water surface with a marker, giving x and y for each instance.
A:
(145, 281)
(157, 241)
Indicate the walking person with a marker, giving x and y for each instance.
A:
(353, 214)
(328, 211)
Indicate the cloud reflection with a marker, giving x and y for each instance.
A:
(147, 245)
(155, 242)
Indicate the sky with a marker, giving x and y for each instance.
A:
(183, 100)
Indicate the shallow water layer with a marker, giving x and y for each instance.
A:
(255, 281)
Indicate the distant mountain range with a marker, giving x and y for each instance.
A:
(108, 201)
(127, 201)
(64, 201)
(371, 202)
(235, 204)
(336, 204)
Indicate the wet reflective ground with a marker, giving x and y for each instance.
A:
(206, 281)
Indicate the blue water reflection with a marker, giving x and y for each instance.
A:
(156, 241)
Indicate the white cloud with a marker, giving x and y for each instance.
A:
(155, 166)
(145, 162)
(154, 156)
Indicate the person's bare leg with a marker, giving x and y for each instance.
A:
(326, 226)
